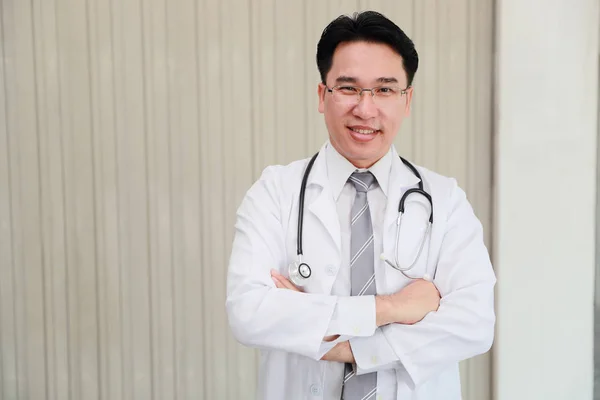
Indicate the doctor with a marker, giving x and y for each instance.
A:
(356, 328)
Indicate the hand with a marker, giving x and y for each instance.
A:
(342, 352)
(409, 305)
(282, 282)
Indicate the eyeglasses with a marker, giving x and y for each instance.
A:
(382, 95)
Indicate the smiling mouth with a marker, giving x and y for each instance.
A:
(364, 131)
(363, 134)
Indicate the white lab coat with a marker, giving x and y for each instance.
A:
(288, 327)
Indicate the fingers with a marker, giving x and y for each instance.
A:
(287, 284)
(278, 284)
(282, 282)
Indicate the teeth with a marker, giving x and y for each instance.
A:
(364, 131)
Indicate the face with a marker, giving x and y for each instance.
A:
(363, 132)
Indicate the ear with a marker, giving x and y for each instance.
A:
(409, 94)
(321, 90)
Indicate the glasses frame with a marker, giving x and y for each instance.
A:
(372, 90)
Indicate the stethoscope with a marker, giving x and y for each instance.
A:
(300, 271)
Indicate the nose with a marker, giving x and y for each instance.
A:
(366, 107)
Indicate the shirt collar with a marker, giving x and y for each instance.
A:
(339, 170)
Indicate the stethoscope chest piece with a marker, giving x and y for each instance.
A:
(299, 272)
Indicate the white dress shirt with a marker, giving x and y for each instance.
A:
(339, 170)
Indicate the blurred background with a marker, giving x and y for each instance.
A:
(130, 130)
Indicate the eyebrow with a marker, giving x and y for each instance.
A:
(346, 79)
(387, 80)
(351, 79)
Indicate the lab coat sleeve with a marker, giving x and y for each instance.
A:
(461, 328)
(351, 318)
(261, 315)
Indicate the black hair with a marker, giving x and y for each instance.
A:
(368, 26)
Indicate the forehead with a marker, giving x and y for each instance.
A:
(367, 62)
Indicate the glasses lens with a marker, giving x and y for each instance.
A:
(346, 94)
(387, 95)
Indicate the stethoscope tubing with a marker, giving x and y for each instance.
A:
(401, 209)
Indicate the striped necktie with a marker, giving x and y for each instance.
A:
(362, 272)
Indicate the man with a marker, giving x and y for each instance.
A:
(357, 328)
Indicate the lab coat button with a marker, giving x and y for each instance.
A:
(315, 390)
(374, 360)
(330, 270)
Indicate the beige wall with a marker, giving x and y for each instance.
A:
(130, 132)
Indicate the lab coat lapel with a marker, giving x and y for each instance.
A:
(323, 206)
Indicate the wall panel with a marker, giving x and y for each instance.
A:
(130, 131)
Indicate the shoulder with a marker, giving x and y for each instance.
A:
(282, 175)
(278, 180)
(443, 189)
(436, 181)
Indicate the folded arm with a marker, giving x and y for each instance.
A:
(407, 306)
(264, 316)
(461, 328)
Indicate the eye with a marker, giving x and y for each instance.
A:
(385, 91)
(348, 89)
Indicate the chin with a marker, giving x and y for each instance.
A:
(364, 159)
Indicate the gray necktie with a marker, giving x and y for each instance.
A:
(362, 272)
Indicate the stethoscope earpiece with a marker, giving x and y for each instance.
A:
(425, 276)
